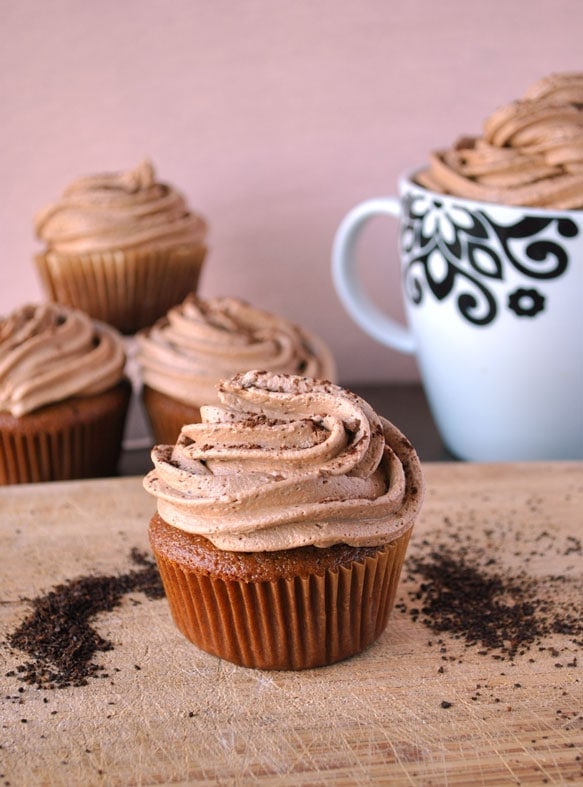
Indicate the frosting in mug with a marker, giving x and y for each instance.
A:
(203, 341)
(118, 211)
(286, 461)
(530, 152)
(49, 353)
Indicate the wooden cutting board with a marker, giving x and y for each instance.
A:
(417, 708)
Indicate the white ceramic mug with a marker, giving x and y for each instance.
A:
(494, 303)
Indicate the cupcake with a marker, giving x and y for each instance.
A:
(123, 247)
(203, 341)
(530, 151)
(282, 522)
(63, 395)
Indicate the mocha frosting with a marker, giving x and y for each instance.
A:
(530, 152)
(49, 353)
(118, 211)
(287, 461)
(203, 341)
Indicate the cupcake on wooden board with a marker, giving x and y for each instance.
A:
(198, 344)
(123, 247)
(282, 522)
(63, 395)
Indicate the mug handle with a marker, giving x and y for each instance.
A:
(364, 312)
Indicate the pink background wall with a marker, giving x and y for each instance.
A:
(273, 117)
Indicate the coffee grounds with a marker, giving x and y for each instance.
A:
(462, 590)
(58, 634)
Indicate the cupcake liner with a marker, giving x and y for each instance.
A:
(129, 289)
(78, 438)
(167, 416)
(295, 622)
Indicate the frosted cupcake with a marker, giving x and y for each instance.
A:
(63, 395)
(123, 247)
(529, 153)
(203, 341)
(282, 522)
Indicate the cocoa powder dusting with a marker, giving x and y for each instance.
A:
(462, 587)
(58, 635)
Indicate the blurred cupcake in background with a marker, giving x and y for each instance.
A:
(186, 354)
(530, 151)
(122, 247)
(63, 395)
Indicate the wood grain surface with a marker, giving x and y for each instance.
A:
(169, 714)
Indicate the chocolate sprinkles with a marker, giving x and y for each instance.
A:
(58, 635)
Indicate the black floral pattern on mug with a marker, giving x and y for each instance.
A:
(526, 302)
(451, 251)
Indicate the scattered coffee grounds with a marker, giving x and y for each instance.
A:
(461, 588)
(58, 634)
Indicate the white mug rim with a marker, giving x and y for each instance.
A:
(406, 181)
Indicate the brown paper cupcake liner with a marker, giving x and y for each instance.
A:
(290, 623)
(79, 438)
(129, 289)
(167, 416)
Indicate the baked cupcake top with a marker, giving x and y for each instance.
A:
(287, 461)
(530, 152)
(118, 211)
(50, 352)
(203, 341)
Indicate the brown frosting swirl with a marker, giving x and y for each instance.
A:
(286, 461)
(118, 211)
(203, 341)
(530, 152)
(50, 352)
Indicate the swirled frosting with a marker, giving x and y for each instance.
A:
(49, 353)
(530, 152)
(286, 461)
(118, 211)
(203, 341)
